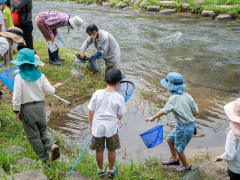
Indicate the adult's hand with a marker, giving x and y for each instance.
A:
(82, 54)
(218, 158)
(18, 118)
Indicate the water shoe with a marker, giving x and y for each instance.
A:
(101, 172)
(171, 162)
(55, 152)
(181, 169)
(112, 173)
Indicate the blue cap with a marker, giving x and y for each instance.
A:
(173, 81)
(3, 1)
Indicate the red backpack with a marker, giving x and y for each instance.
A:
(15, 16)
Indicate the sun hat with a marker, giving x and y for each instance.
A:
(16, 34)
(26, 56)
(3, 1)
(232, 110)
(173, 81)
(75, 22)
(112, 76)
(4, 46)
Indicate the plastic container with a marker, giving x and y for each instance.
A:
(80, 63)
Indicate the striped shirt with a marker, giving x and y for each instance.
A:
(54, 20)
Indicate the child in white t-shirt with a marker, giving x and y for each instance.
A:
(105, 109)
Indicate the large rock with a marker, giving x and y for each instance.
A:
(2, 173)
(121, 5)
(171, 4)
(76, 176)
(153, 8)
(143, 3)
(28, 175)
(208, 13)
(199, 2)
(106, 5)
(134, 2)
(186, 1)
(25, 163)
(185, 7)
(17, 150)
(128, 8)
(224, 17)
(167, 11)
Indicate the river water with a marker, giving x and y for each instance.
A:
(206, 52)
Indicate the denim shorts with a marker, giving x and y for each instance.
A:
(181, 135)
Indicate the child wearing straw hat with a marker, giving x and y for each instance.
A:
(184, 109)
(28, 95)
(232, 146)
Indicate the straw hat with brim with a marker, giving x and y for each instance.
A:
(26, 56)
(232, 110)
(16, 34)
(75, 22)
(173, 81)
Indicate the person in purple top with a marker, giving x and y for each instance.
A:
(48, 22)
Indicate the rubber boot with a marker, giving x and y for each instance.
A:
(58, 58)
(53, 58)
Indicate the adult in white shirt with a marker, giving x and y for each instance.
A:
(2, 26)
(28, 95)
(104, 42)
(232, 146)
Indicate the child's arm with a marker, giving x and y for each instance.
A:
(159, 114)
(90, 116)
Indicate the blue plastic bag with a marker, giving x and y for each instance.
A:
(96, 61)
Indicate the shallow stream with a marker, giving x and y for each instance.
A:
(206, 52)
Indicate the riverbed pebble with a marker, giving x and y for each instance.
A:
(153, 8)
(76, 176)
(171, 4)
(121, 5)
(167, 11)
(30, 174)
(224, 17)
(2, 172)
(199, 2)
(106, 5)
(206, 13)
(185, 7)
(17, 150)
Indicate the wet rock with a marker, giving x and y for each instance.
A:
(2, 172)
(16, 150)
(224, 17)
(207, 13)
(121, 5)
(142, 3)
(171, 4)
(185, 7)
(27, 163)
(225, 6)
(167, 11)
(153, 8)
(199, 3)
(128, 8)
(106, 5)
(76, 176)
(28, 175)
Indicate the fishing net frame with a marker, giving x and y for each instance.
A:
(8, 76)
(126, 89)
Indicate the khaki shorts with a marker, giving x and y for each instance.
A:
(112, 143)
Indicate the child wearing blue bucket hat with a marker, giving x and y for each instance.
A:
(28, 95)
(184, 109)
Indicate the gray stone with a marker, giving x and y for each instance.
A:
(76, 176)
(185, 7)
(121, 5)
(2, 172)
(106, 5)
(186, 1)
(208, 13)
(224, 17)
(171, 4)
(81, 1)
(28, 175)
(142, 3)
(153, 8)
(225, 6)
(199, 2)
(135, 2)
(128, 8)
(167, 11)
(16, 150)
(27, 163)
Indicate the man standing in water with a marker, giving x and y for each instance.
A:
(104, 42)
(22, 18)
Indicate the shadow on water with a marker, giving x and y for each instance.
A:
(205, 52)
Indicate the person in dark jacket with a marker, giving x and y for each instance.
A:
(25, 21)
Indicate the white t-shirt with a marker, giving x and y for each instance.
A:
(4, 46)
(2, 22)
(106, 106)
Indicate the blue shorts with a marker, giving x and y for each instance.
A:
(181, 135)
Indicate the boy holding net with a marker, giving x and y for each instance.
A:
(182, 105)
(106, 107)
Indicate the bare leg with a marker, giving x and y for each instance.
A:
(173, 150)
(99, 158)
(111, 159)
(183, 159)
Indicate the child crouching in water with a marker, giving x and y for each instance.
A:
(232, 146)
(184, 109)
(28, 95)
(106, 107)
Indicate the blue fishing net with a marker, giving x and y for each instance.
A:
(126, 89)
(96, 61)
(8, 76)
(153, 137)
